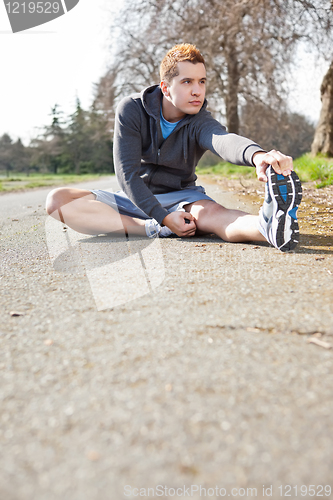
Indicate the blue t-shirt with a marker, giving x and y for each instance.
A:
(167, 127)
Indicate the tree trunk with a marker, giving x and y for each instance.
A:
(231, 100)
(323, 139)
(77, 164)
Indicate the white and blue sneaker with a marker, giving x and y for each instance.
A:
(277, 217)
(154, 229)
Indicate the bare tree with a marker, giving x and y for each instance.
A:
(248, 45)
(290, 132)
(105, 98)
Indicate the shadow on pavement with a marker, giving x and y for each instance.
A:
(315, 244)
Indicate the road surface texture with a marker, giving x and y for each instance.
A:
(167, 368)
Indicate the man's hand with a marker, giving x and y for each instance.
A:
(176, 222)
(281, 163)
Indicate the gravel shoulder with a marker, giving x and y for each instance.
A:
(176, 362)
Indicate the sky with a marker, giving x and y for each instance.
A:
(304, 82)
(55, 62)
(52, 63)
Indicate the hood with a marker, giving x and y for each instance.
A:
(151, 99)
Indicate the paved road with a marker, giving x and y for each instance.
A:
(177, 363)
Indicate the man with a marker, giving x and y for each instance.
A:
(160, 135)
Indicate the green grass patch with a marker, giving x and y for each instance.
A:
(224, 169)
(309, 168)
(315, 168)
(38, 180)
(36, 184)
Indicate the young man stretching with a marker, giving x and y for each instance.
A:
(160, 135)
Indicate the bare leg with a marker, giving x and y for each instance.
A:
(79, 209)
(230, 225)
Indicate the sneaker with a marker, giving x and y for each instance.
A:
(165, 232)
(277, 217)
(153, 229)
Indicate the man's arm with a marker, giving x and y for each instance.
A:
(242, 151)
(230, 147)
(127, 156)
(127, 159)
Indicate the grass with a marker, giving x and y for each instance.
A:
(224, 169)
(315, 168)
(308, 168)
(21, 181)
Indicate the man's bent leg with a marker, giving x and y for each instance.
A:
(79, 209)
(230, 225)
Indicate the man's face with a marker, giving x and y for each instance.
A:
(186, 92)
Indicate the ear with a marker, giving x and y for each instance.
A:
(165, 88)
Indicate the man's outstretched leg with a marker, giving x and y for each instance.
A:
(276, 223)
(230, 225)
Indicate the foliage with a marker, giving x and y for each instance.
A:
(80, 143)
(290, 133)
(13, 155)
(248, 46)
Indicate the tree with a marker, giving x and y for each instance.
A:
(248, 45)
(287, 132)
(14, 156)
(88, 141)
(48, 149)
(21, 157)
(80, 143)
(105, 96)
(100, 156)
(6, 157)
(323, 139)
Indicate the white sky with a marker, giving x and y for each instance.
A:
(305, 81)
(55, 62)
(50, 64)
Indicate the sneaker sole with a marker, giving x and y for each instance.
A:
(286, 193)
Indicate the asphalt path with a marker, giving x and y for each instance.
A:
(168, 368)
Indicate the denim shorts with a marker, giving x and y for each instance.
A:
(173, 201)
